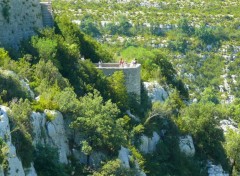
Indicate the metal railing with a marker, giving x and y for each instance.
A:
(116, 65)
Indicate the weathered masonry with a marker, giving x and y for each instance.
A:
(132, 73)
(19, 20)
(47, 14)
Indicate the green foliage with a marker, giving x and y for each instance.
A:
(180, 44)
(118, 88)
(47, 75)
(206, 34)
(89, 27)
(87, 46)
(114, 168)
(199, 119)
(4, 57)
(50, 116)
(185, 27)
(86, 148)
(46, 162)
(97, 122)
(46, 48)
(209, 96)
(232, 147)
(21, 128)
(11, 87)
(3, 154)
(138, 156)
(168, 160)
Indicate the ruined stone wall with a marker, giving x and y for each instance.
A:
(18, 20)
(132, 76)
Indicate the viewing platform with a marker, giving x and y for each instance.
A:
(117, 65)
(132, 73)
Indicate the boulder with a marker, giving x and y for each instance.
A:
(123, 155)
(51, 133)
(148, 145)
(186, 145)
(228, 124)
(96, 159)
(15, 167)
(30, 171)
(155, 91)
(215, 170)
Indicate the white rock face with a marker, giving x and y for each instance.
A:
(148, 145)
(140, 172)
(216, 170)
(30, 171)
(25, 85)
(15, 164)
(38, 121)
(133, 116)
(186, 145)
(228, 124)
(155, 91)
(123, 155)
(51, 133)
(1, 171)
(80, 156)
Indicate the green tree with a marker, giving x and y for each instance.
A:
(89, 27)
(206, 35)
(10, 87)
(46, 162)
(232, 147)
(114, 168)
(3, 154)
(185, 27)
(119, 90)
(46, 75)
(199, 119)
(99, 124)
(47, 49)
(21, 128)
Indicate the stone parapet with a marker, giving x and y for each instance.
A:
(132, 73)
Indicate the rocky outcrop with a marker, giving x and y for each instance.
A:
(30, 171)
(155, 91)
(186, 145)
(124, 155)
(228, 124)
(15, 167)
(51, 133)
(148, 145)
(216, 170)
(133, 116)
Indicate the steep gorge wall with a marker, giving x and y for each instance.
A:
(18, 20)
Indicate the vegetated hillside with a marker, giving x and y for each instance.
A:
(197, 65)
(195, 36)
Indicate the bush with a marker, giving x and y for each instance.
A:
(46, 162)
(11, 88)
(3, 154)
(21, 128)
